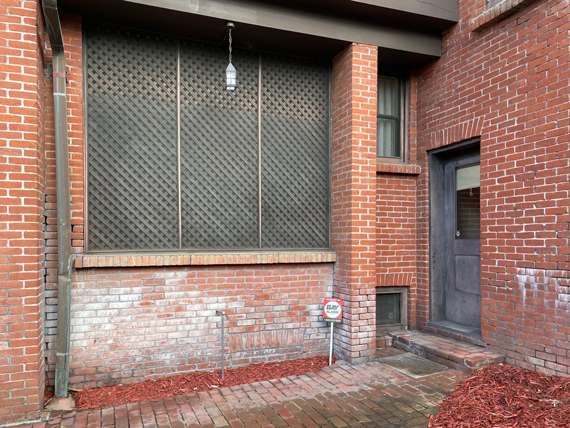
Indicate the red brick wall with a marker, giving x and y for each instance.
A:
(353, 190)
(22, 376)
(396, 234)
(132, 324)
(396, 230)
(509, 84)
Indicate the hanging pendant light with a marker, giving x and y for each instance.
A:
(231, 75)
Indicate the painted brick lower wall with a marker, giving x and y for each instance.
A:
(131, 324)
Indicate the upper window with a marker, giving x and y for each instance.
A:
(175, 161)
(391, 117)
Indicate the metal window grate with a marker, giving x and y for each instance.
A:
(143, 89)
(132, 167)
(388, 308)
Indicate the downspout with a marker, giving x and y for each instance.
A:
(64, 256)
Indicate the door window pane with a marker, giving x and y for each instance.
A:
(468, 202)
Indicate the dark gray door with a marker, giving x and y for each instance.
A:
(462, 210)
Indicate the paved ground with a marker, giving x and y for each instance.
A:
(367, 395)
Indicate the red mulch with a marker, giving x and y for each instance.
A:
(152, 390)
(506, 397)
(48, 394)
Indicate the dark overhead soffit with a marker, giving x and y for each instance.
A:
(317, 28)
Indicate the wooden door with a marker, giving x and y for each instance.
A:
(462, 200)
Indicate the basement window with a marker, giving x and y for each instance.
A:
(391, 308)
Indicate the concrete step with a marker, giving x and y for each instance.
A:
(461, 356)
(455, 331)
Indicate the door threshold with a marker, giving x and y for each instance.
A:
(456, 331)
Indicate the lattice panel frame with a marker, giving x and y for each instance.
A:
(132, 135)
(132, 124)
(295, 153)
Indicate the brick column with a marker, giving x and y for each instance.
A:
(21, 212)
(353, 216)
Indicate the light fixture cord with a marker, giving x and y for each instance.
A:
(230, 45)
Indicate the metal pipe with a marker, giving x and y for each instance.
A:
(64, 256)
(331, 348)
(222, 314)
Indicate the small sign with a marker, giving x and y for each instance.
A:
(332, 310)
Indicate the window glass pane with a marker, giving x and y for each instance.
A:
(218, 148)
(294, 159)
(468, 213)
(468, 177)
(388, 95)
(388, 142)
(131, 125)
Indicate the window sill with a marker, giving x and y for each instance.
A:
(497, 13)
(203, 259)
(398, 168)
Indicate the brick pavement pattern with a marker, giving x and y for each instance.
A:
(344, 395)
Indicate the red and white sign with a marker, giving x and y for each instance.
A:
(332, 310)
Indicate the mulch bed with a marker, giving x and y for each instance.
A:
(48, 394)
(506, 397)
(152, 390)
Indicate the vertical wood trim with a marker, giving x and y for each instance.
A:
(178, 143)
(259, 147)
(85, 72)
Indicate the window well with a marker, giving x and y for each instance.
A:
(388, 309)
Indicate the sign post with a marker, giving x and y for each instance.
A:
(332, 312)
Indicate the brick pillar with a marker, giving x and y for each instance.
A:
(21, 212)
(353, 216)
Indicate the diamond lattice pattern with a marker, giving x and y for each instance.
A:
(131, 121)
(132, 117)
(219, 148)
(294, 159)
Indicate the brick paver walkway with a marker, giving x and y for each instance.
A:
(367, 395)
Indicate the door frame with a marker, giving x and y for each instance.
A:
(439, 248)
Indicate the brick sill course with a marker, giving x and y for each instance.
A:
(203, 259)
(497, 13)
(398, 168)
